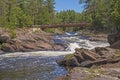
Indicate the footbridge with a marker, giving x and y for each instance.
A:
(75, 24)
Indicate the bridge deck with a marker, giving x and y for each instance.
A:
(80, 24)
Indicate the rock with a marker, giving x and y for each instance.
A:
(1, 52)
(104, 52)
(84, 54)
(17, 45)
(102, 37)
(91, 63)
(114, 60)
(80, 73)
(116, 45)
(68, 62)
(88, 58)
(66, 77)
(58, 47)
(114, 40)
(31, 41)
(4, 38)
(11, 46)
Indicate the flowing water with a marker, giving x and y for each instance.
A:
(41, 65)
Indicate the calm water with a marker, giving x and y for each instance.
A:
(30, 68)
(42, 65)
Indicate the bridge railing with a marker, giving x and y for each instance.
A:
(77, 24)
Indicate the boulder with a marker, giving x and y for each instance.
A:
(80, 73)
(16, 45)
(30, 44)
(114, 40)
(104, 52)
(101, 37)
(4, 38)
(12, 46)
(68, 62)
(116, 45)
(84, 54)
(30, 39)
(91, 63)
(1, 52)
(87, 58)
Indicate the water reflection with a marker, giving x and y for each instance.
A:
(30, 68)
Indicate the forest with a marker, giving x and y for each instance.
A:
(103, 14)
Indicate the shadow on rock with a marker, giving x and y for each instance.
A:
(87, 58)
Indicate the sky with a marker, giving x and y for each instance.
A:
(61, 5)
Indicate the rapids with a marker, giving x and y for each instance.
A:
(41, 65)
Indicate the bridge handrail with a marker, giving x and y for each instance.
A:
(77, 24)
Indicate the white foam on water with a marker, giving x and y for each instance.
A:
(72, 41)
(85, 44)
(71, 34)
(37, 53)
(72, 46)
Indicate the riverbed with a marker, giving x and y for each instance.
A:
(41, 65)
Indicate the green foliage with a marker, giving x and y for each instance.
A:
(115, 13)
(69, 56)
(104, 14)
(49, 30)
(24, 13)
(68, 16)
(12, 34)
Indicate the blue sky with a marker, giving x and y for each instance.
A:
(68, 4)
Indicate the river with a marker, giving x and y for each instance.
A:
(41, 65)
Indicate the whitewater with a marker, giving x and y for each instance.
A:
(41, 65)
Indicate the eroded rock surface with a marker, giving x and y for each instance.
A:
(87, 58)
(100, 63)
(80, 73)
(29, 40)
(4, 38)
(114, 40)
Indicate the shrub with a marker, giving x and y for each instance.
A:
(68, 56)
(49, 30)
(12, 34)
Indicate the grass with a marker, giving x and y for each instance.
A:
(48, 30)
(68, 56)
(12, 34)
(11, 30)
(93, 73)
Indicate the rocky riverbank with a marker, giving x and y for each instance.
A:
(96, 64)
(100, 63)
(27, 40)
(94, 36)
(88, 58)
(80, 73)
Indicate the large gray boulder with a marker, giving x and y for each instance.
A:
(116, 45)
(114, 39)
(31, 42)
(87, 58)
(4, 38)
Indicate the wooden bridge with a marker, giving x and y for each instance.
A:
(77, 24)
